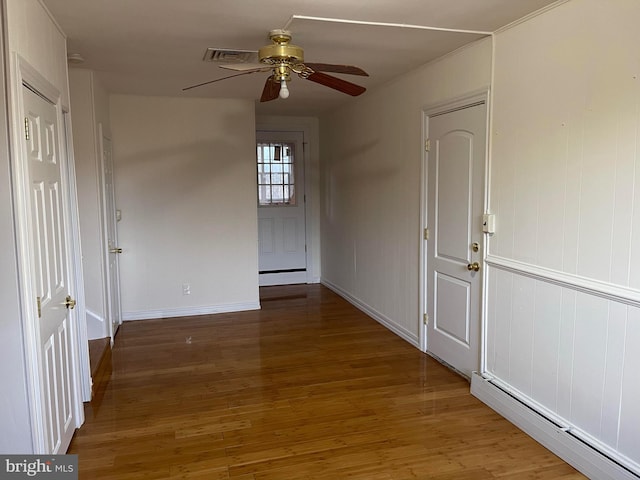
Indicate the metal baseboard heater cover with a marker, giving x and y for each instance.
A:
(576, 451)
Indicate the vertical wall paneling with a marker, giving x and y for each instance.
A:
(545, 343)
(371, 184)
(588, 363)
(568, 352)
(563, 294)
(524, 309)
(564, 159)
(614, 358)
(565, 356)
(629, 420)
(634, 273)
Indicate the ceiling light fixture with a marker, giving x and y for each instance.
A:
(284, 90)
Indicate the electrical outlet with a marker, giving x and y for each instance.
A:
(186, 289)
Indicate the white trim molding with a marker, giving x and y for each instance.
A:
(373, 313)
(24, 75)
(560, 439)
(598, 288)
(469, 99)
(531, 15)
(190, 311)
(84, 365)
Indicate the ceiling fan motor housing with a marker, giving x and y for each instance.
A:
(281, 52)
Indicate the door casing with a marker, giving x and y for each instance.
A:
(457, 103)
(302, 159)
(113, 309)
(23, 74)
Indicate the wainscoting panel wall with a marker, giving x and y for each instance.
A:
(372, 151)
(562, 326)
(571, 353)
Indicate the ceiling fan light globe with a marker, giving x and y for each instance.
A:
(284, 90)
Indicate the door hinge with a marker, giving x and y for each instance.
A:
(39, 304)
(426, 234)
(26, 128)
(425, 319)
(427, 145)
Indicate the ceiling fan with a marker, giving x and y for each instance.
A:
(282, 59)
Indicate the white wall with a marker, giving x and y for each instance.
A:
(371, 156)
(185, 183)
(33, 35)
(563, 324)
(14, 407)
(90, 107)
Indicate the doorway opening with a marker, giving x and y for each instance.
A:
(282, 237)
(453, 247)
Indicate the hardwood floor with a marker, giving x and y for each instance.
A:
(307, 388)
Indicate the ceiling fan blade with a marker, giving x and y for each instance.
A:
(337, 84)
(219, 79)
(244, 67)
(271, 90)
(328, 67)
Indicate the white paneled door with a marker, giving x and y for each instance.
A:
(282, 253)
(113, 251)
(454, 249)
(50, 276)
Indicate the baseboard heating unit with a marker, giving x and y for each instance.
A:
(569, 444)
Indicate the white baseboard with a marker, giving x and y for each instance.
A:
(582, 456)
(190, 311)
(96, 325)
(377, 316)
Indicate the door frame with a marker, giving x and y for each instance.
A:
(440, 108)
(104, 219)
(296, 137)
(310, 155)
(84, 365)
(23, 75)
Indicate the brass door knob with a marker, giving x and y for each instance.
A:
(473, 267)
(69, 302)
(115, 250)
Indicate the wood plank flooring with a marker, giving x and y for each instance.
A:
(307, 388)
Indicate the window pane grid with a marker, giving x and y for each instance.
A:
(276, 174)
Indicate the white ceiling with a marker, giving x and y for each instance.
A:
(155, 47)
